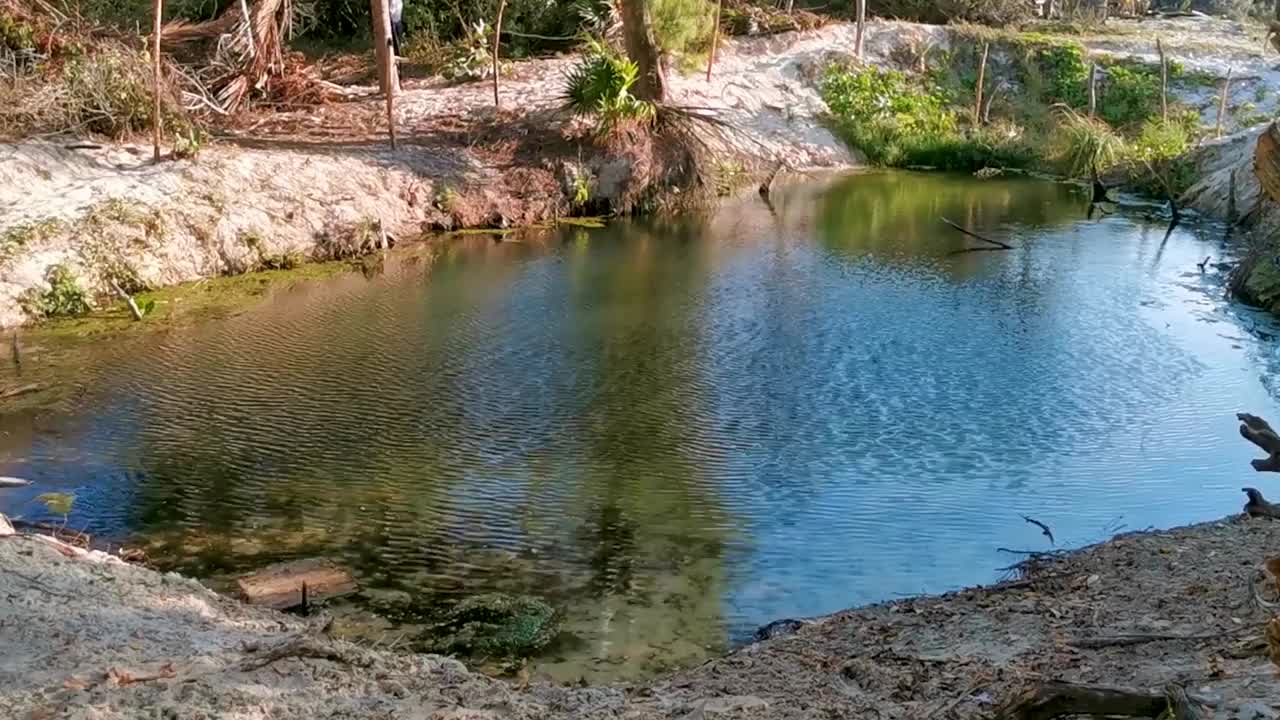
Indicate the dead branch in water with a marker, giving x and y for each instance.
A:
(1043, 528)
(1055, 699)
(997, 245)
(1259, 432)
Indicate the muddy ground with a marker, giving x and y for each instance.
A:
(85, 635)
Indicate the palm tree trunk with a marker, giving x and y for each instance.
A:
(637, 35)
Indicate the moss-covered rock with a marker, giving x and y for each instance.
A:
(497, 625)
(1262, 283)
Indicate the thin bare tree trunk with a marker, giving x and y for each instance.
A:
(388, 78)
(637, 35)
(1093, 90)
(982, 77)
(156, 119)
(1222, 102)
(715, 38)
(862, 24)
(497, 42)
(1164, 81)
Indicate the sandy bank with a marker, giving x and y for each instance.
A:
(88, 636)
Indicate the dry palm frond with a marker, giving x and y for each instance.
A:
(248, 55)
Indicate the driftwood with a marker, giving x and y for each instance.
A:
(996, 244)
(982, 74)
(1259, 432)
(128, 299)
(1258, 505)
(1055, 699)
(292, 584)
(13, 482)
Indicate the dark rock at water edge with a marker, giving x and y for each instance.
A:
(777, 629)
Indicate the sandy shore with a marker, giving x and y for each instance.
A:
(86, 635)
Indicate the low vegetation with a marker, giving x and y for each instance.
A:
(600, 86)
(64, 295)
(1035, 112)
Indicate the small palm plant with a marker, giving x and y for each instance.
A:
(601, 85)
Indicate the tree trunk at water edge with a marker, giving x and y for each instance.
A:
(637, 35)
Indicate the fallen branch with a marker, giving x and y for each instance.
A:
(998, 245)
(1055, 699)
(304, 647)
(128, 299)
(20, 390)
(1127, 639)
(1043, 528)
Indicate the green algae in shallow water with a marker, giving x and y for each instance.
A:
(499, 625)
(193, 301)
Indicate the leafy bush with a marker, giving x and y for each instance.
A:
(1081, 143)
(681, 26)
(896, 121)
(601, 84)
(1130, 95)
(879, 111)
(1160, 140)
(64, 297)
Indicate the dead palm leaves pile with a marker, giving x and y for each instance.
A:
(246, 57)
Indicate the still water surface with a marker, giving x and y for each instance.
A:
(678, 432)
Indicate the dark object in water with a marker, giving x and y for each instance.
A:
(777, 629)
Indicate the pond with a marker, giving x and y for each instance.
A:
(678, 431)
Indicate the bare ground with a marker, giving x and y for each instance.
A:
(88, 636)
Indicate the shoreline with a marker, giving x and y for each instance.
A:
(97, 637)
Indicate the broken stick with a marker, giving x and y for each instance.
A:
(996, 243)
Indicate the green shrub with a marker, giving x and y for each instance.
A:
(1081, 143)
(896, 121)
(1160, 141)
(64, 297)
(600, 85)
(682, 26)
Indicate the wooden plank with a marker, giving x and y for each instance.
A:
(279, 586)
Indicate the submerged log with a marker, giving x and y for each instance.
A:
(285, 585)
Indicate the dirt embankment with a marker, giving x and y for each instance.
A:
(317, 183)
(88, 636)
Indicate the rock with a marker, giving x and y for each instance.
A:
(777, 628)
(279, 586)
(6, 527)
(497, 625)
(1255, 711)
(727, 706)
